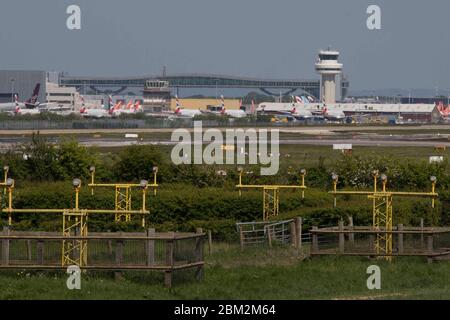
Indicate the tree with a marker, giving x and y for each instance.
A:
(136, 162)
(74, 160)
(40, 157)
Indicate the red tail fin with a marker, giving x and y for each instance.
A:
(35, 94)
(137, 105)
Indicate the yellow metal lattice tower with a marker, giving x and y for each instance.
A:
(382, 207)
(271, 202)
(123, 193)
(271, 194)
(74, 252)
(382, 220)
(75, 220)
(122, 202)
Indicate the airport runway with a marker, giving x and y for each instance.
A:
(319, 142)
(321, 136)
(305, 130)
(109, 143)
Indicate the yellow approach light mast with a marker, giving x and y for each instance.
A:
(75, 220)
(271, 193)
(122, 194)
(382, 207)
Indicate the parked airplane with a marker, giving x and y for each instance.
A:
(185, 112)
(331, 114)
(10, 106)
(129, 109)
(29, 104)
(233, 113)
(94, 112)
(301, 114)
(21, 111)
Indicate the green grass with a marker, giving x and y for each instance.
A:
(258, 273)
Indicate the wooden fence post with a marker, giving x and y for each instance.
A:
(341, 237)
(269, 237)
(40, 252)
(351, 236)
(5, 246)
(168, 275)
(421, 235)
(430, 249)
(293, 234)
(110, 248)
(28, 244)
(400, 239)
(298, 232)
(210, 242)
(150, 247)
(119, 258)
(241, 237)
(371, 243)
(199, 253)
(315, 242)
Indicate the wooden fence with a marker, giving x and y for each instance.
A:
(431, 243)
(150, 250)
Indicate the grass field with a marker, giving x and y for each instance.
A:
(259, 273)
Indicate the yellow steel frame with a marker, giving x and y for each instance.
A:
(122, 195)
(75, 223)
(271, 202)
(382, 207)
(122, 203)
(382, 220)
(271, 195)
(74, 252)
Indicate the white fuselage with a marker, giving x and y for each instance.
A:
(235, 113)
(96, 113)
(187, 113)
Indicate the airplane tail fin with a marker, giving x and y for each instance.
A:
(111, 104)
(130, 105)
(35, 94)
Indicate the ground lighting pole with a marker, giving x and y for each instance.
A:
(271, 193)
(122, 196)
(382, 208)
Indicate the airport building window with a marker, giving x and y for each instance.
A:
(328, 57)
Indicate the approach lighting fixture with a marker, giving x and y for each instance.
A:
(76, 183)
(144, 184)
(9, 182)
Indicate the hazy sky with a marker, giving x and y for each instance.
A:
(255, 38)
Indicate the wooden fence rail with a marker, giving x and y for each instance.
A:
(166, 252)
(360, 241)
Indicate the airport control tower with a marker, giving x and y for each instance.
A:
(328, 67)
